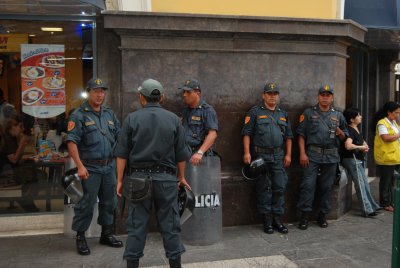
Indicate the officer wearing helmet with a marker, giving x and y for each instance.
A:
(92, 133)
(267, 134)
(152, 144)
(321, 129)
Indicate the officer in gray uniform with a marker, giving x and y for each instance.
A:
(92, 133)
(267, 133)
(321, 130)
(199, 120)
(152, 143)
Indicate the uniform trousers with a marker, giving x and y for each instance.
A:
(164, 197)
(311, 180)
(271, 189)
(98, 185)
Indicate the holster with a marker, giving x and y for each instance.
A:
(137, 189)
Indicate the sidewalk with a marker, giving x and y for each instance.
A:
(351, 241)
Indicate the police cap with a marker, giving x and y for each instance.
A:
(96, 83)
(326, 88)
(271, 87)
(191, 84)
(150, 88)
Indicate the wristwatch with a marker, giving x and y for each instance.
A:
(200, 152)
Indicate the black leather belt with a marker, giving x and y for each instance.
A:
(267, 150)
(320, 150)
(97, 162)
(154, 169)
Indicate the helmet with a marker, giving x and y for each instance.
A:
(255, 169)
(186, 202)
(72, 185)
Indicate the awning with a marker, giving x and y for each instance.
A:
(51, 7)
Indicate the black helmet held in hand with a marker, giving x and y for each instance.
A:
(256, 168)
(186, 203)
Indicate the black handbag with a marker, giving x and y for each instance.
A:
(136, 188)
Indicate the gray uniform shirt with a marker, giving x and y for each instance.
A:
(152, 136)
(318, 129)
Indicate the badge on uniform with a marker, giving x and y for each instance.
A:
(71, 125)
(110, 122)
(247, 119)
(89, 123)
(263, 116)
(196, 118)
(282, 119)
(301, 119)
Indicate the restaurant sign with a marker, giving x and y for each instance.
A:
(12, 42)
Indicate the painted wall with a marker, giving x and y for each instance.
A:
(322, 9)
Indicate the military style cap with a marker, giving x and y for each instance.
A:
(191, 85)
(151, 87)
(325, 88)
(271, 87)
(96, 83)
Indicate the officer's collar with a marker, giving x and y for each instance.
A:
(262, 105)
(200, 105)
(316, 107)
(153, 104)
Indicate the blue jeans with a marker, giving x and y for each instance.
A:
(356, 171)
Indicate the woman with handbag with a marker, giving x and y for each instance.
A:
(353, 160)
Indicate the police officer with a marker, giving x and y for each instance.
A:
(199, 120)
(267, 133)
(152, 142)
(321, 129)
(92, 133)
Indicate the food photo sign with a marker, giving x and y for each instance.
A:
(43, 80)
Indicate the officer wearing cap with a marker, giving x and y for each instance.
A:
(267, 133)
(92, 133)
(199, 120)
(152, 143)
(321, 129)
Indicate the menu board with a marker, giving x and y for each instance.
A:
(43, 80)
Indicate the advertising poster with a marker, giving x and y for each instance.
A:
(43, 80)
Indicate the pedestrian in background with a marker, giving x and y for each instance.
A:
(321, 130)
(267, 133)
(152, 145)
(387, 151)
(353, 157)
(92, 133)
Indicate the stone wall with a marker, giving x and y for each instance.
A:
(232, 57)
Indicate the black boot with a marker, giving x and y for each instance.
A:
(175, 263)
(132, 263)
(267, 225)
(303, 224)
(321, 220)
(278, 225)
(107, 237)
(81, 245)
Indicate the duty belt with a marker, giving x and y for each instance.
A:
(98, 162)
(267, 150)
(154, 169)
(320, 150)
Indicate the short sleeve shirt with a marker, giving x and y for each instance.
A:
(197, 122)
(358, 139)
(267, 129)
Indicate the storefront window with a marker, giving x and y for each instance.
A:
(42, 74)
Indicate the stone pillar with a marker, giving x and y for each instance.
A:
(233, 57)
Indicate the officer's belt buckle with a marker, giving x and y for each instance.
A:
(267, 150)
(320, 150)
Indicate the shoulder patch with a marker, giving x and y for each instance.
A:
(247, 119)
(263, 116)
(301, 119)
(71, 125)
